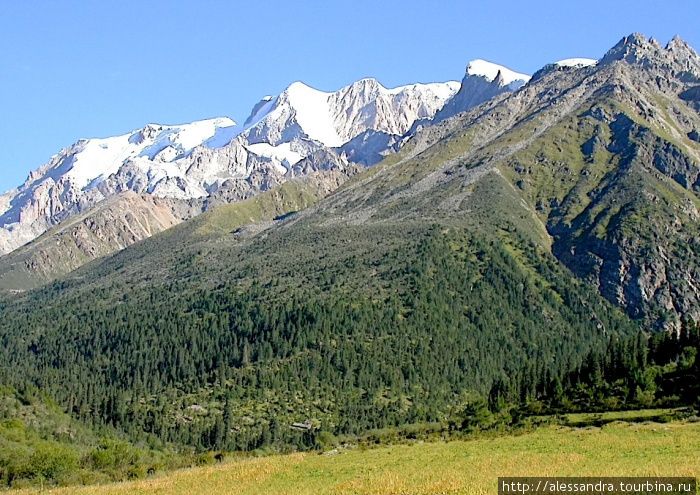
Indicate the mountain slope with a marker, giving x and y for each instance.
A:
(603, 158)
(627, 219)
(225, 340)
(112, 225)
(425, 279)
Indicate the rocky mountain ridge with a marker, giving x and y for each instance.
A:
(214, 157)
(599, 160)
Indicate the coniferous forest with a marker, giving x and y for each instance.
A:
(441, 327)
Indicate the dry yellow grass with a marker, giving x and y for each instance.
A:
(470, 467)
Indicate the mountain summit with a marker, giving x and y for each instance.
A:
(494, 72)
(483, 80)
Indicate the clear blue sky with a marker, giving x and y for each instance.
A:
(90, 68)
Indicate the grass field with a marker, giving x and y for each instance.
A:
(636, 416)
(616, 449)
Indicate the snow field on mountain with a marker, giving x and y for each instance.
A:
(489, 70)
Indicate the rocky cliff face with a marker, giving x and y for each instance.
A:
(637, 240)
(621, 193)
(115, 224)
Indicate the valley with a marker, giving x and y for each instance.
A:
(370, 266)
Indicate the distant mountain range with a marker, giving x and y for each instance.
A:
(202, 159)
(605, 192)
(189, 168)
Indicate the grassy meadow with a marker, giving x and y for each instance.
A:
(455, 467)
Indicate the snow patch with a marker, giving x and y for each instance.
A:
(261, 112)
(191, 135)
(576, 62)
(100, 158)
(222, 137)
(443, 91)
(282, 153)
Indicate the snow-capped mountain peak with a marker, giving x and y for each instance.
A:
(313, 113)
(490, 71)
(93, 160)
(483, 80)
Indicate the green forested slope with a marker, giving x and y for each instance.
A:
(352, 328)
(42, 445)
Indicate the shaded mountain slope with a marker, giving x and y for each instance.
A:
(113, 225)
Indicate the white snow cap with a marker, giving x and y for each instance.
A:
(99, 158)
(576, 62)
(489, 70)
(314, 113)
(441, 90)
(318, 116)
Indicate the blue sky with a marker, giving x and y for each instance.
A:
(73, 69)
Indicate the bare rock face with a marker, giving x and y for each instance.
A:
(644, 259)
(371, 147)
(116, 223)
(636, 241)
(677, 59)
(368, 106)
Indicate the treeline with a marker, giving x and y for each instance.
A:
(629, 373)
